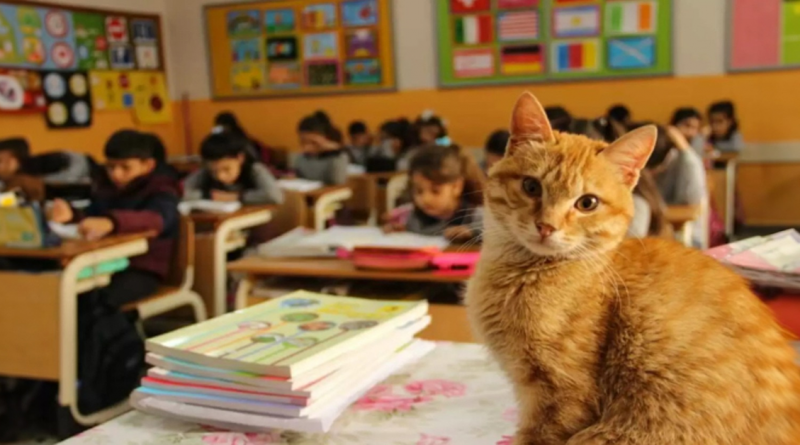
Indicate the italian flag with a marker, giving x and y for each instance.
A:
(473, 29)
(632, 17)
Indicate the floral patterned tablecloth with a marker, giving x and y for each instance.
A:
(454, 396)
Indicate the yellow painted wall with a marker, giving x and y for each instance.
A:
(768, 111)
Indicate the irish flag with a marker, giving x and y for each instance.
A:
(473, 29)
(638, 17)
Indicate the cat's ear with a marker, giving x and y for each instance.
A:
(529, 121)
(631, 152)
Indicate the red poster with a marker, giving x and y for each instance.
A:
(511, 4)
(756, 34)
(462, 6)
(20, 91)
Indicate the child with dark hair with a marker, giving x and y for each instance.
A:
(360, 142)
(678, 173)
(689, 122)
(398, 138)
(130, 197)
(723, 129)
(54, 167)
(560, 118)
(230, 175)
(160, 155)
(620, 113)
(323, 157)
(431, 129)
(227, 122)
(495, 147)
(12, 153)
(447, 192)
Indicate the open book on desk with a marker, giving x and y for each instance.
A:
(209, 206)
(299, 185)
(303, 242)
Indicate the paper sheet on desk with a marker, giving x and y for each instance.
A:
(65, 231)
(299, 185)
(207, 205)
(351, 237)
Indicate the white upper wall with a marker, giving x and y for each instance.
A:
(699, 36)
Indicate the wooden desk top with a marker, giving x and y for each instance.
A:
(315, 194)
(681, 214)
(216, 218)
(71, 249)
(336, 268)
(726, 157)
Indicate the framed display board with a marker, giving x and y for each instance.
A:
(281, 48)
(763, 35)
(487, 42)
(64, 61)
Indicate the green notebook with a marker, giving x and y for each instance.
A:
(288, 336)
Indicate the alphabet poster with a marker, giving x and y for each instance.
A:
(520, 41)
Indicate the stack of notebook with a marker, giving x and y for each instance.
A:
(772, 260)
(295, 362)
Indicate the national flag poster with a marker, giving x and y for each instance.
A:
(518, 25)
(575, 56)
(466, 6)
(576, 21)
(523, 59)
(631, 17)
(473, 29)
(469, 63)
(512, 4)
(631, 52)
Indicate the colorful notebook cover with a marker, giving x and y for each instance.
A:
(287, 336)
(310, 385)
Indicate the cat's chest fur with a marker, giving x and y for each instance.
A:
(539, 323)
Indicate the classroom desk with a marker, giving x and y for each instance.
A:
(680, 218)
(371, 194)
(724, 188)
(212, 248)
(38, 321)
(314, 208)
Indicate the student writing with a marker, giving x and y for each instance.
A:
(447, 193)
(323, 157)
(130, 197)
(230, 175)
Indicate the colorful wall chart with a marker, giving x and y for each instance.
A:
(484, 42)
(69, 61)
(295, 47)
(763, 34)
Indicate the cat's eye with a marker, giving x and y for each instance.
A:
(587, 203)
(532, 187)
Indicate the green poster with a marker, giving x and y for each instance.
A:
(91, 43)
(30, 26)
(9, 51)
(791, 33)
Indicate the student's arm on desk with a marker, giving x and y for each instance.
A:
(266, 191)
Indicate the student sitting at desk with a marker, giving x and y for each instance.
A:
(230, 175)
(360, 142)
(131, 197)
(52, 167)
(447, 191)
(495, 148)
(397, 144)
(11, 175)
(323, 158)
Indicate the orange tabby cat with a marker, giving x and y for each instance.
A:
(634, 342)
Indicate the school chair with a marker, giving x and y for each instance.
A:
(177, 292)
(395, 188)
(681, 219)
(327, 203)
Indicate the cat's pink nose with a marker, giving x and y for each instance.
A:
(545, 230)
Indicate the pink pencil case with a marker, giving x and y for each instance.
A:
(386, 258)
(455, 260)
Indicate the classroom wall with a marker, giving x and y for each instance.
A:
(91, 140)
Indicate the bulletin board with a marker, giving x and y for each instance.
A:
(68, 62)
(763, 35)
(488, 42)
(281, 48)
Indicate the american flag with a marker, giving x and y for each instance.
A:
(522, 25)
